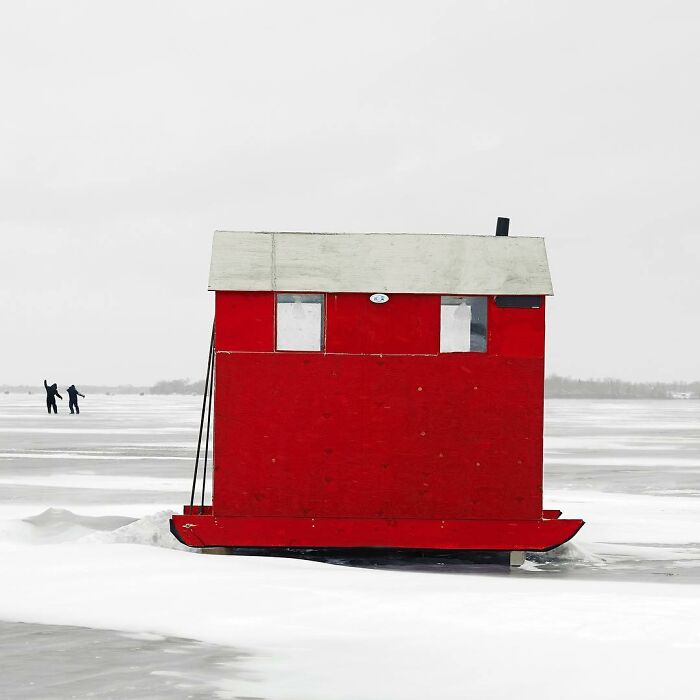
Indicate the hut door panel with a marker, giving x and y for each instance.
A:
(315, 435)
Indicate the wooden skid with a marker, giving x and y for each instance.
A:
(493, 535)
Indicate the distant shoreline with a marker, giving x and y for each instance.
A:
(175, 386)
(556, 387)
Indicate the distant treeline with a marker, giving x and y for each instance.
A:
(177, 386)
(556, 387)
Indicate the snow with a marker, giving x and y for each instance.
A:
(58, 525)
(612, 614)
(629, 517)
(150, 530)
(357, 633)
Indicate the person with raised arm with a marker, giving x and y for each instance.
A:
(51, 394)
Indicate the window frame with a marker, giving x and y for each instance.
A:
(319, 297)
(473, 301)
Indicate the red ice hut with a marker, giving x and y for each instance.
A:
(377, 390)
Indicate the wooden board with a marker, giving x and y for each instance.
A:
(331, 435)
(322, 533)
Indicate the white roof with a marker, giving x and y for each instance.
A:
(414, 263)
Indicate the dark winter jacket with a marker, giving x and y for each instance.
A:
(52, 391)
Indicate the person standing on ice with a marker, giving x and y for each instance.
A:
(51, 394)
(73, 394)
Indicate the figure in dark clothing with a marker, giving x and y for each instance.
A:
(51, 394)
(73, 394)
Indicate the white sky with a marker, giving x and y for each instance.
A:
(130, 131)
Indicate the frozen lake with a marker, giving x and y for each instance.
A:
(631, 469)
(48, 661)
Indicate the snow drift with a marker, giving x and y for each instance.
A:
(153, 530)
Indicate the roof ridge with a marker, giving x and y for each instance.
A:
(371, 233)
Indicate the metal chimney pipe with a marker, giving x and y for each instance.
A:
(502, 226)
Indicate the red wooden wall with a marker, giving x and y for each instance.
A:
(379, 424)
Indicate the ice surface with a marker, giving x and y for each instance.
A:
(608, 609)
(77, 662)
(99, 481)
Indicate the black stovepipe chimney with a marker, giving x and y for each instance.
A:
(502, 226)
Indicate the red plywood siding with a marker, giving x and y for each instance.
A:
(406, 324)
(241, 531)
(515, 332)
(447, 436)
(346, 433)
(245, 321)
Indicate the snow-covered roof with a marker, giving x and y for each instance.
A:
(414, 263)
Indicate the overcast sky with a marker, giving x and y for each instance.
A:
(130, 131)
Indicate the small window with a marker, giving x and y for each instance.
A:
(463, 324)
(299, 322)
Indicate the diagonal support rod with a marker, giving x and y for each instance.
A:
(206, 442)
(201, 421)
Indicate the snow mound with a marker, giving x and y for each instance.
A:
(152, 530)
(568, 554)
(57, 518)
(55, 525)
